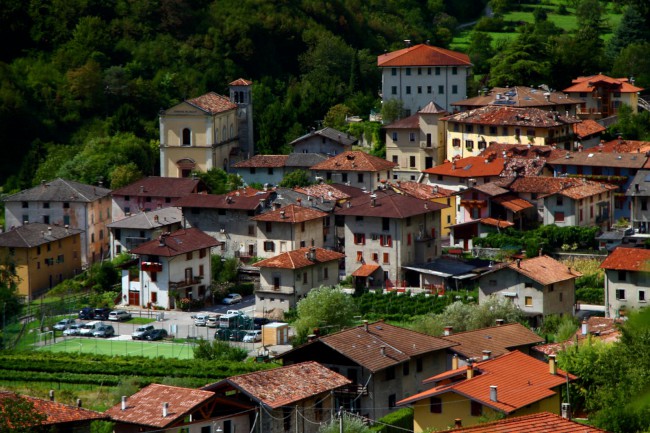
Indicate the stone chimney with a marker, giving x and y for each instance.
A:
(454, 362)
(365, 325)
(552, 366)
(470, 371)
(448, 330)
(312, 254)
(123, 402)
(165, 409)
(519, 263)
(493, 393)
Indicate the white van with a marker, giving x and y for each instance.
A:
(90, 327)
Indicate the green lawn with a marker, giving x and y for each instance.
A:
(123, 348)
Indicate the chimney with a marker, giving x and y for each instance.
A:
(299, 200)
(493, 393)
(311, 337)
(365, 325)
(519, 263)
(382, 349)
(470, 371)
(435, 189)
(141, 189)
(458, 423)
(51, 395)
(448, 330)
(282, 214)
(49, 231)
(487, 354)
(454, 362)
(312, 254)
(165, 409)
(453, 165)
(552, 366)
(585, 327)
(566, 410)
(155, 218)
(78, 402)
(500, 322)
(123, 402)
(373, 202)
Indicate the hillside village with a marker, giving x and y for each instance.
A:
(456, 170)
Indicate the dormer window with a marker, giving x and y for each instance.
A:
(187, 137)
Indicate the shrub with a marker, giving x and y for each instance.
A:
(219, 350)
(397, 421)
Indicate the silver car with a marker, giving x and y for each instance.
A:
(64, 324)
(73, 329)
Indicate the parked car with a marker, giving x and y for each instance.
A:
(252, 336)
(258, 322)
(156, 334)
(104, 331)
(237, 334)
(87, 313)
(88, 328)
(213, 321)
(64, 324)
(102, 313)
(201, 319)
(73, 329)
(119, 315)
(141, 332)
(232, 298)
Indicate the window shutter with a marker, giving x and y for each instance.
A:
(363, 239)
(390, 241)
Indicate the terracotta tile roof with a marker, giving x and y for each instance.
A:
(60, 190)
(299, 258)
(542, 422)
(145, 406)
(473, 166)
(176, 243)
(241, 82)
(420, 190)
(432, 108)
(354, 160)
(365, 270)
(155, 186)
(224, 201)
(601, 159)
(497, 339)
(603, 329)
(522, 151)
(588, 127)
(325, 190)
(511, 116)
(496, 222)
(388, 204)
(212, 103)
(411, 122)
(352, 191)
(519, 96)
(343, 138)
(628, 259)
(423, 55)
(364, 347)
(55, 413)
(512, 202)
(574, 188)
(290, 214)
(586, 84)
(586, 189)
(520, 379)
(623, 146)
(263, 161)
(492, 189)
(545, 270)
(283, 386)
(34, 234)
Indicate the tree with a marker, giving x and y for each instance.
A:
(123, 175)
(18, 415)
(480, 51)
(630, 30)
(326, 308)
(336, 117)
(296, 178)
(218, 181)
(632, 61)
(350, 424)
(224, 269)
(391, 110)
(9, 297)
(218, 350)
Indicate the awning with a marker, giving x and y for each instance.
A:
(365, 270)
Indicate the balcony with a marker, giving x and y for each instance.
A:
(185, 283)
(473, 203)
(352, 389)
(151, 267)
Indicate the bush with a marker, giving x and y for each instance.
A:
(219, 351)
(398, 421)
(591, 295)
(244, 289)
(486, 24)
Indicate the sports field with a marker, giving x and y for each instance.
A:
(123, 348)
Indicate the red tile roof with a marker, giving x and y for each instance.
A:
(496, 222)
(388, 204)
(423, 55)
(299, 258)
(223, 201)
(176, 243)
(473, 166)
(623, 146)
(354, 160)
(520, 379)
(364, 347)
(543, 422)
(512, 202)
(519, 96)
(54, 412)
(545, 270)
(511, 116)
(603, 329)
(575, 188)
(155, 186)
(432, 108)
(497, 339)
(411, 122)
(327, 191)
(522, 151)
(586, 189)
(263, 161)
(587, 84)
(420, 190)
(365, 270)
(283, 386)
(290, 214)
(593, 158)
(241, 82)
(628, 259)
(588, 127)
(145, 406)
(212, 103)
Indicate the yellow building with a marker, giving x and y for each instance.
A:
(204, 133)
(603, 96)
(43, 256)
(510, 385)
(468, 133)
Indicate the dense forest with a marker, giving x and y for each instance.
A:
(82, 81)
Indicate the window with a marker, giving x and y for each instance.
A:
(360, 238)
(304, 277)
(435, 405)
(437, 70)
(454, 71)
(302, 226)
(418, 365)
(454, 89)
(476, 408)
(394, 136)
(393, 90)
(360, 177)
(419, 89)
(528, 301)
(186, 137)
(270, 170)
(408, 221)
(385, 224)
(395, 159)
(188, 256)
(408, 90)
(375, 257)
(326, 273)
(469, 144)
(286, 415)
(455, 142)
(559, 200)
(644, 203)
(386, 240)
(441, 90)
(620, 294)
(622, 275)
(269, 246)
(276, 283)
(559, 217)
(391, 401)
(302, 244)
(206, 429)
(406, 367)
(46, 219)
(429, 90)
(269, 227)
(60, 258)
(493, 130)
(25, 205)
(390, 373)
(412, 161)
(408, 239)
(641, 295)
(504, 130)
(66, 205)
(411, 136)
(251, 230)
(46, 205)
(359, 256)
(358, 218)
(469, 128)
(408, 71)
(201, 270)
(344, 177)
(393, 71)
(386, 258)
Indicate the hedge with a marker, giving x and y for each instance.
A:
(397, 421)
